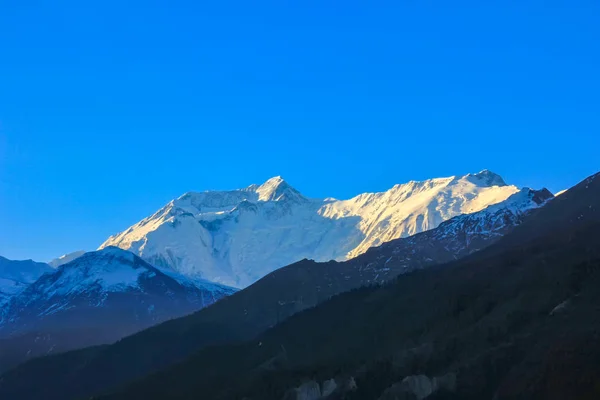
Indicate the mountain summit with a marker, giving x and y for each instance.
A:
(276, 189)
(487, 178)
(66, 258)
(15, 276)
(235, 237)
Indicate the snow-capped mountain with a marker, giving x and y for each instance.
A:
(57, 262)
(306, 283)
(15, 276)
(294, 288)
(452, 239)
(236, 237)
(112, 291)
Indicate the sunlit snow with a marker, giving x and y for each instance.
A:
(236, 237)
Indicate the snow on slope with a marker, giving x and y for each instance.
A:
(17, 275)
(458, 236)
(236, 237)
(415, 207)
(57, 262)
(112, 270)
(113, 283)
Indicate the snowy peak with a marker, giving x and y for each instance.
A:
(57, 262)
(276, 189)
(110, 253)
(108, 270)
(482, 179)
(24, 271)
(413, 187)
(111, 292)
(417, 206)
(195, 202)
(465, 183)
(452, 239)
(485, 178)
(539, 197)
(15, 276)
(236, 237)
(112, 269)
(94, 277)
(523, 200)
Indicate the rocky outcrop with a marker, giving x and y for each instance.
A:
(328, 388)
(415, 387)
(419, 387)
(307, 391)
(561, 307)
(311, 390)
(446, 382)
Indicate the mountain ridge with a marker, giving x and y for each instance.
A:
(498, 323)
(235, 237)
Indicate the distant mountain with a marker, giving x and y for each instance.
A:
(281, 294)
(15, 276)
(236, 237)
(57, 262)
(99, 298)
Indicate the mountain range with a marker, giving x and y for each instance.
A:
(237, 237)
(499, 303)
(516, 320)
(288, 291)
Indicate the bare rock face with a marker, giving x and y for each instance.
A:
(419, 387)
(397, 392)
(307, 391)
(420, 354)
(349, 385)
(312, 391)
(328, 388)
(446, 382)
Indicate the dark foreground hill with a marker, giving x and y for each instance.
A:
(533, 336)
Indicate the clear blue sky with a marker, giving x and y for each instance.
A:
(108, 110)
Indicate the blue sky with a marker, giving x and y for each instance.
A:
(108, 110)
